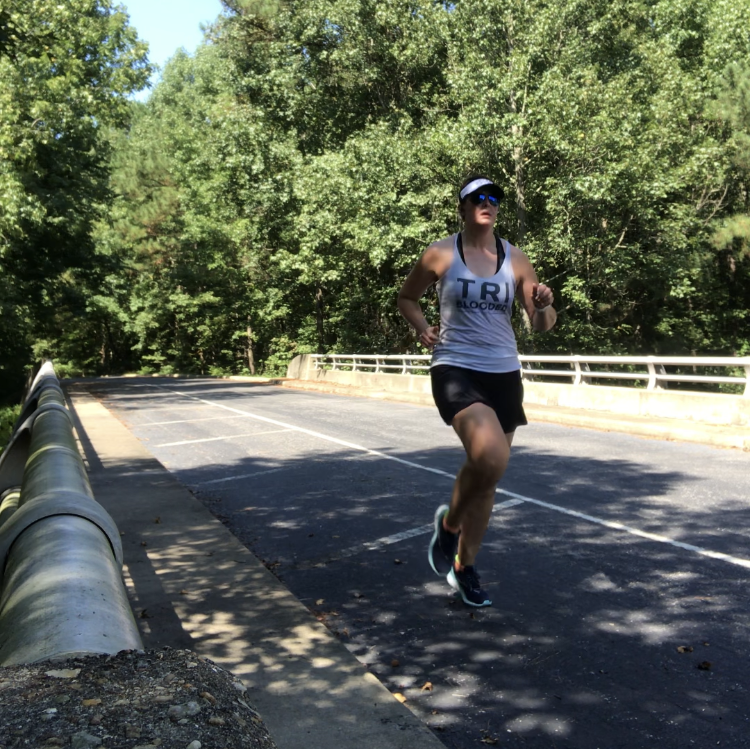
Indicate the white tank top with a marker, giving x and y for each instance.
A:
(475, 329)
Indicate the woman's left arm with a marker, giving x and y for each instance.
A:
(537, 298)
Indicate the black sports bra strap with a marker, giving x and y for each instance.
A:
(498, 244)
(500, 253)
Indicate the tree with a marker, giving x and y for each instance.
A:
(278, 185)
(65, 72)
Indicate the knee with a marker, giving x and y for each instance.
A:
(488, 465)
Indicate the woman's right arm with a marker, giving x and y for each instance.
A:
(428, 269)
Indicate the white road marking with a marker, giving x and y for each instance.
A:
(420, 531)
(242, 476)
(380, 543)
(177, 408)
(730, 559)
(739, 561)
(216, 439)
(312, 433)
(187, 421)
(129, 473)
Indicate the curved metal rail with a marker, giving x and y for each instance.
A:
(61, 590)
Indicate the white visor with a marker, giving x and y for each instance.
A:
(475, 185)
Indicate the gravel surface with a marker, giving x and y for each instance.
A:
(167, 698)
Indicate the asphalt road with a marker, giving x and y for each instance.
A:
(619, 566)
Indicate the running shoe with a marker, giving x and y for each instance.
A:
(466, 582)
(442, 549)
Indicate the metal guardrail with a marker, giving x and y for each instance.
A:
(580, 370)
(61, 589)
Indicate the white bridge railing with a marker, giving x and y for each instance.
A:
(656, 372)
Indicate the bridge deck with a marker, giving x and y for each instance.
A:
(618, 566)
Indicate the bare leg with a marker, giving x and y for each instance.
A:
(487, 453)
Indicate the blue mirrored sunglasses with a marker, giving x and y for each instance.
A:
(479, 197)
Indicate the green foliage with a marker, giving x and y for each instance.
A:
(272, 194)
(732, 107)
(8, 416)
(65, 70)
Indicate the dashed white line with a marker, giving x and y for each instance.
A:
(380, 543)
(312, 433)
(187, 421)
(708, 553)
(420, 531)
(176, 408)
(216, 439)
(241, 476)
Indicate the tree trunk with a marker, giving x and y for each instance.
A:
(319, 318)
(250, 355)
(520, 175)
(518, 151)
(520, 185)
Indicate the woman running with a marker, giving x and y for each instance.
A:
(475, 370)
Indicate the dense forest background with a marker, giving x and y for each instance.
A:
(271, 194)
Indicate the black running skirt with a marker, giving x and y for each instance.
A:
(456, 388)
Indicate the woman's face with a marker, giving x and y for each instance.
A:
(479, 211)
